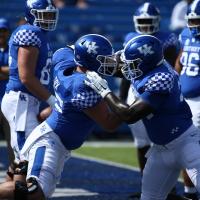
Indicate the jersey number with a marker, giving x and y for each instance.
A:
(188, 61)
(45, 76)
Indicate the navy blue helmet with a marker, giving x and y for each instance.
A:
(95, 52)
(193, 18)
(41, 13)
(141, 54)
(147, 19)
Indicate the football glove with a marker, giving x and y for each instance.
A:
(97, 83)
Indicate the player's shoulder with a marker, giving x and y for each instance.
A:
(63, 60)
(159, 80)
(129, 36)
(28, 35)
(185, 34)
(165, 35)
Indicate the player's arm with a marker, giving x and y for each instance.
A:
(129, 114)
(27, 62)
(178, 65)
(103, 116)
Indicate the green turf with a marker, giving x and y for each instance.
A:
(124, 155)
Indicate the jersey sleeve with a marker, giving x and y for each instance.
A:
(25, 37)
(86, 99)
(156, 88)
(159, 83)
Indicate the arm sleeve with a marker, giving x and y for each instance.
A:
(26, 37)
(86, 99)
(157, 88)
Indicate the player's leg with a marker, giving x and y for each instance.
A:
(46, 161)
(160, 174)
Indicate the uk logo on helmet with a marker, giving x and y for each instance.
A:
(145, 49)
(91, 47)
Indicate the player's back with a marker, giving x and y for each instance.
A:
(25, 36)
(172, 115)
(190, 60)
(72, 96)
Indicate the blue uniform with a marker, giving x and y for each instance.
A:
(3, 62)
(167, 39)
(172, 116)
(190, 59)
(68, 120)
(28, 35)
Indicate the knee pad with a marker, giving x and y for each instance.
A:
(21, 191)
(33, 185)
(21, 168)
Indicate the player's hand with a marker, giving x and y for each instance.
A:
(97, 83)
(44, 114)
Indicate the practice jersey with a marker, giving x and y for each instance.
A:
(3, 62)
(172, 116)
(167, 39)
(190, 60)
(67, 119)
(26, 36)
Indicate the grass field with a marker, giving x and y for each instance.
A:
(122, 154)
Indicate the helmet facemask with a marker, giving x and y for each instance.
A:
(193, 22)
(146, 24)
(130, 70)
(46, 19)
(108, 65)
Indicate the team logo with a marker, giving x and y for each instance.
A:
(91, 47)
(145, 49)
(31, 2)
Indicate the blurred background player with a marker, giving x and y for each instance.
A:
(165, 114)
(29, 63)
(4, 73)
(188, 61)
(178, 20)
(77, 105)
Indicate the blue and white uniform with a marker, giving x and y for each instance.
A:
(19, 106)
(190, 73)
(170, 128)
(66, 128)
(138, 129)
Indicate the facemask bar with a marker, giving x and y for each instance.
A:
(146, 24)
(108, 65)
(47, 18)
(130, 69)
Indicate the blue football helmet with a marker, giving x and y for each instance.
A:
(147, 19)
(193, 18)
(41, 13)
(141, 54)
(95, 52)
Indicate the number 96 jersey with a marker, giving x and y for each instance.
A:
(29, 36)
(190, 60)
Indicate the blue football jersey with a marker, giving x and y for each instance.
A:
(67, 119)
(168, 39)
(28, 35)
(3, 62)
(190, 60)
(172, 116)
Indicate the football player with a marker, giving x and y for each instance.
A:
(165, 114)
(188, 61)
(147, 21)
(29, 62)
(77, 110)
